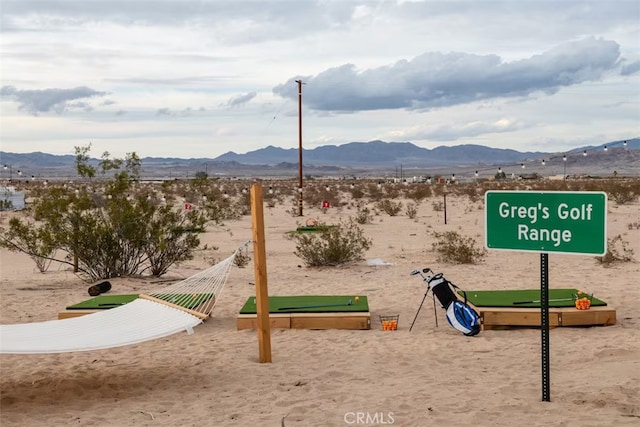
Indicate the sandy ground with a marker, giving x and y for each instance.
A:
(431, 376)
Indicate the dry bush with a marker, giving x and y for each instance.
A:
(618, 251)
(339, 244)
(453, 248)
(411, 210)
(363, 215)
(418, 192)
(389, 207)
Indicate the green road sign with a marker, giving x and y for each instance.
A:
(547, 221)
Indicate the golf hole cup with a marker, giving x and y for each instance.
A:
(389, 323)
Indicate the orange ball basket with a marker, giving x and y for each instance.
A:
(389, 323)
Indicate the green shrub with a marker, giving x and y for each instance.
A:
(453, 248)
(105, 231)
(336, 245)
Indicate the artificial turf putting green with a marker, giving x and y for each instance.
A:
(285, 304)
(104, 302)
(507, 298)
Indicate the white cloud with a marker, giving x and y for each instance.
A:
(160, 76)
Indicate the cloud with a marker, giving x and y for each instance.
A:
(437, 79)
(455, 131)
(46, 100)
(186, 112)
(239, 100)
(629, 69)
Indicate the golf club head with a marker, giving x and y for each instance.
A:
(414, 272)
(427, 270)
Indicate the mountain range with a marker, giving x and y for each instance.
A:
(331, 159)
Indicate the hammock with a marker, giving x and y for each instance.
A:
(177, 308)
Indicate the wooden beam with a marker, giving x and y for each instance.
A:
(260, 271)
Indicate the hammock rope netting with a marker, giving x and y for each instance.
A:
(179, 307)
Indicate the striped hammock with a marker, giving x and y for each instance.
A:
(179, 307)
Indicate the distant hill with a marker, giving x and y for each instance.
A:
(380, 153)
(350, 158)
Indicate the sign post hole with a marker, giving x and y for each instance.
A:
(546, 221)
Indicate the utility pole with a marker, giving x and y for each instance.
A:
(299, 146)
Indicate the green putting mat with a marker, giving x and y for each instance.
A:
(508, 298)
(103, 302)
(310, 304)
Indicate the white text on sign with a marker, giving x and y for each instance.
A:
(581, 212)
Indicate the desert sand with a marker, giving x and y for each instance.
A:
(431, 376)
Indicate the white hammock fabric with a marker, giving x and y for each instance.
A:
(135, 322)
(140, 320)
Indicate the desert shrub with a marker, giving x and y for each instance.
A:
(29, 238)
(242, 258)
(618, 250)
(110, 231)
(6, 205)
(363, 215)
(438, 206)
(453, 248)
(470, 191)
(418, 192)
(621, 192)
(389, 207)
(339, 244)
(392, 191)
(634, 225)
(357, 192)
(411, 210)
(374, 191)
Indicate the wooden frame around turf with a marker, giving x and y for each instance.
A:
(335, 320)
(505, 317)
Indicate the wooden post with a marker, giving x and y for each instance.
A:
(260, 271)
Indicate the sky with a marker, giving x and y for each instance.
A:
(199, 78)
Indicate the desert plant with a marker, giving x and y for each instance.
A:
(411, 210)
(618, 250)
(242, 258)
(453, 248)
(363, 215)
(418, 192)
(28, 237)
(340, 244)
(389, 207)
(622, 193)
(106, 232)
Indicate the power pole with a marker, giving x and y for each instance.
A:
(299, 146)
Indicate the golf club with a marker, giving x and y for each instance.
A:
(350, 302)
(535, 301)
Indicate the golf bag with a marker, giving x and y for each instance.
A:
(459, 314)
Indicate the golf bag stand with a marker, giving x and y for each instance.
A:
(429, 275)
(460, 315)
